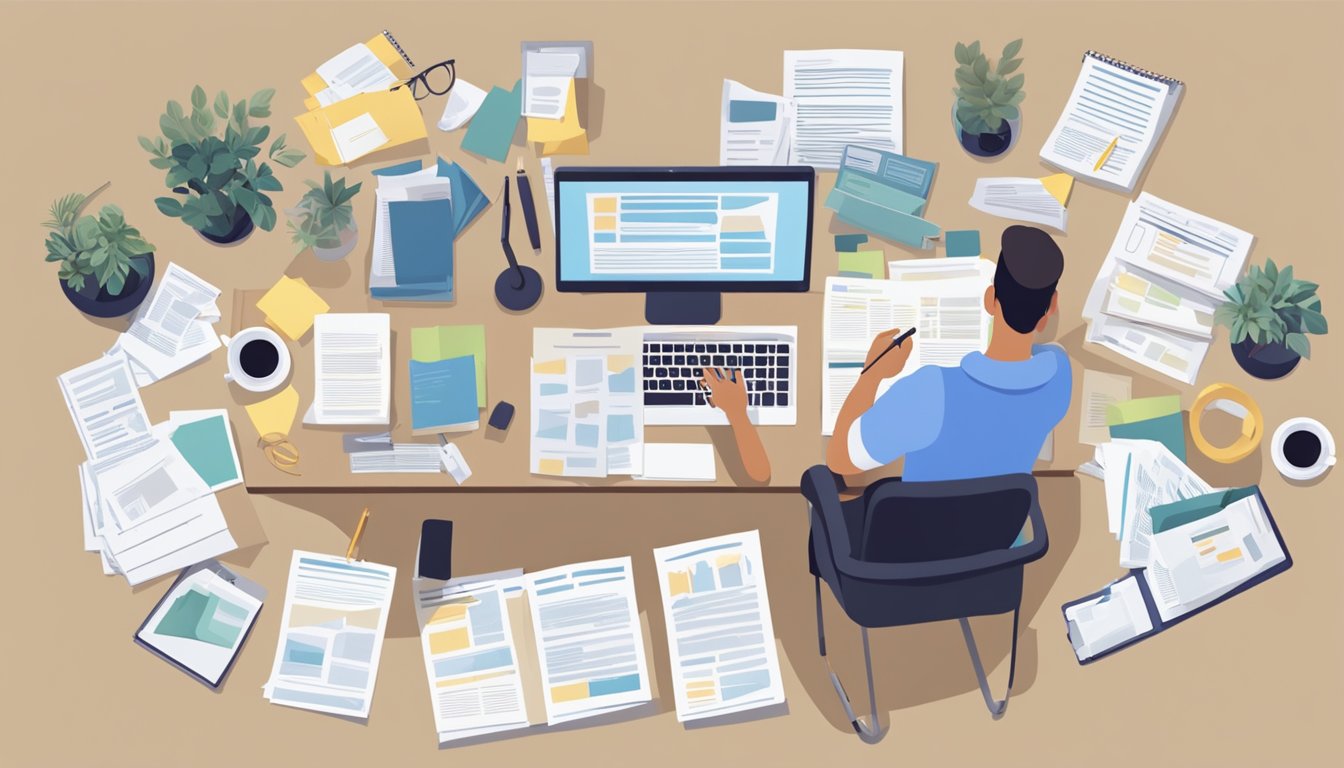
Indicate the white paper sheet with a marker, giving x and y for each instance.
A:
(357, 137)
(548, 178)
(463, 101)
(1141, 474)
(1020, 199)
(548, 74)
(153, 482)
(754, 127)
(1109, 620)
(425, 458)
(844, 97)
(331, 634)
(420, 185)
(161, 326)
(105, 405)
(352, 362)
(185, 536)
(720, 636)
(1099, 391)
(355, 70)
(679, 461)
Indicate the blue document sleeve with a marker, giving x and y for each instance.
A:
(422, 240)
(443, 395)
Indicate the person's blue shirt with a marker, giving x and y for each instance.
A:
(983, 418)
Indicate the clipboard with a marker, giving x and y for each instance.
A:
(248, 587)
(1160, 625)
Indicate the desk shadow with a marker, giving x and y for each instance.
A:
(922, 663)
(321, 274)
(392, 155)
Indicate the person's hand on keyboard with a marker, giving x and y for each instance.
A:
(728, 392)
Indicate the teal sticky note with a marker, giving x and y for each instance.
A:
(962, 242)
(849, 243)
(206, 447)
(490, 132)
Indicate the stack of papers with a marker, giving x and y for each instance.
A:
(842, 98)
(679, 461)
(1140, 474)
(290, 306)
(148, 504)
(587, 402)
(173, 329)
(376, 453)
(352, 361)
(1040, 201)
(550, 95)
(944, 298)
(1154, 298)
(331, 635)
(754, 127)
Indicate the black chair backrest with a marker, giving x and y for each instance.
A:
(919, 522)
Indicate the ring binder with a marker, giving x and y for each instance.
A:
(1130, 68)
(398, 47)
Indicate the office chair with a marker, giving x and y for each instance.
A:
(910, 553)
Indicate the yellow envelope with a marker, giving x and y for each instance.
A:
(290, 306)
(275, 414)
(383, 46)
(395, 112)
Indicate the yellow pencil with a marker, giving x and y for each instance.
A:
(359, 531)
(1109, 149)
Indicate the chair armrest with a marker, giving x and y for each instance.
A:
(821, 488)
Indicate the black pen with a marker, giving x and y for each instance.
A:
(529, 209)
(896, 342)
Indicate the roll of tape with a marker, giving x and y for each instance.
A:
(1234, 401)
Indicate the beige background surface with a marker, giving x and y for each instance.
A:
(1255, 143)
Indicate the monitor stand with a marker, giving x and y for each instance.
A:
(677, 308)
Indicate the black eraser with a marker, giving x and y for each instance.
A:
(436, 549)
(502, 415)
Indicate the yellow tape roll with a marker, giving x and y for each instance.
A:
(1232, 400)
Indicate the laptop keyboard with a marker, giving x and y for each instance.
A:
(672, 370)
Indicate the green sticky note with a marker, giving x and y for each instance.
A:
(490, 132)
(1149, 418)
(1142, 409)
(962, 242)
(443, 342)
(871, 264)
(206, 447)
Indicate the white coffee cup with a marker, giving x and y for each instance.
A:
(1324, 459)
(238, 374)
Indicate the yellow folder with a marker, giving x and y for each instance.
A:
(395, 112)
(565, 136)
(384, 46)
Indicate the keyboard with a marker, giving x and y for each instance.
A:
(675, 359)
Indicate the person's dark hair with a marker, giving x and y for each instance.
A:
(1030, 265)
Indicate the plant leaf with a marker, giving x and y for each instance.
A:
(1008, 66)
(290, 157)
(222, 105)
(1298, 343)
(963, 55)
(981, 67)
(260, 103)
(1010, 50)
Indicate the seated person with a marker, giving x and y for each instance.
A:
(988, 416)
(728, 392)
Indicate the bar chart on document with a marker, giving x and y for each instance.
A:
(690, 233)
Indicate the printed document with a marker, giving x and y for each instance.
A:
(331, 634)
(471, 660)
(355, 70)
(720, 637)
(843, 97)
(754, 127)
(942, 298)
(1141, 474)
(548, 76)
(400, 457)
(173, 330)
(587, 402)
(105, 404)
(1100, 390)
(185, 536)
(352, 359)
(148, 484)
(590, 644)
(1023, 199)
(1112, 618)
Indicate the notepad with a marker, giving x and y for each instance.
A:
(441, 342)
(422, 240)
(443, 396)
(290, 306)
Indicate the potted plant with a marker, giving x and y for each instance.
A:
(985, 114)
(1269, 314)
(211, 167)
(106, 267)
(324, 219)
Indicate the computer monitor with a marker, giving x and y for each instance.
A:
(683, 235)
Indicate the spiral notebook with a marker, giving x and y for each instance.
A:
(1115, 117)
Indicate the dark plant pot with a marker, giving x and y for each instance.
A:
(242, 227)
(1268, 361)
(96, 302)
(986, 144)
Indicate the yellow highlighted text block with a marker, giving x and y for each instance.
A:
(570, 692)
(449, 641)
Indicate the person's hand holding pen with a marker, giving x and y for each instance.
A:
(727, 391)
(883, 360)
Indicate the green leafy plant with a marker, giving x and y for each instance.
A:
(104, 247)
(213, 170)
(985, 97)
(1270, 306)
(323, 213)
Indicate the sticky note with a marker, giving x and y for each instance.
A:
(849, 243)
(290, 306)
(870, 264)
(490, 132)
(540, 129)
(962, 242)
(275, 414)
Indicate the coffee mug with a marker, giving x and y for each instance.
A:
(258, 359)
(1303, 449)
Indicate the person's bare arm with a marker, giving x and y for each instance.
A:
(861, 397)
(728, 393)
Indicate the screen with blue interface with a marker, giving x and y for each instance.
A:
(712, 231)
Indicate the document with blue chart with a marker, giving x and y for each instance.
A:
(720, 637)
(443, 395)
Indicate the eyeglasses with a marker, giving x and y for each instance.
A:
(436, 80)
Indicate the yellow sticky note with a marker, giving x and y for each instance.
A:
(577, 145)
(275, 414)
(290, 306)
(551, 466)
(543, 130)
(1059, 186)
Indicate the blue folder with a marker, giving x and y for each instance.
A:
(1170, 516)
(443, 395)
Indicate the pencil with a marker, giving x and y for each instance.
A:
(1104, 155)
(359, 531)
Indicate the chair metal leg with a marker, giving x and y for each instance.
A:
(996, 706)
(870, 732)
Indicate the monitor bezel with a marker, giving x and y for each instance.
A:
(781, 173)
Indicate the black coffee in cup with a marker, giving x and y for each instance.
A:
(259, 358)
(1302, 448)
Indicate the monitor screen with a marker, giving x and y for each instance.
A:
(724, 229)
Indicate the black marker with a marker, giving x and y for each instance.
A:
(529, 209)
(896, 342)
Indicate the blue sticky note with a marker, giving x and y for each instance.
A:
(962, 242)
(742, 111)
(468, 199)
(443, 393)
(849, 243)
(490, 132)
(586, 435)
(422, 240)
(400, 169)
